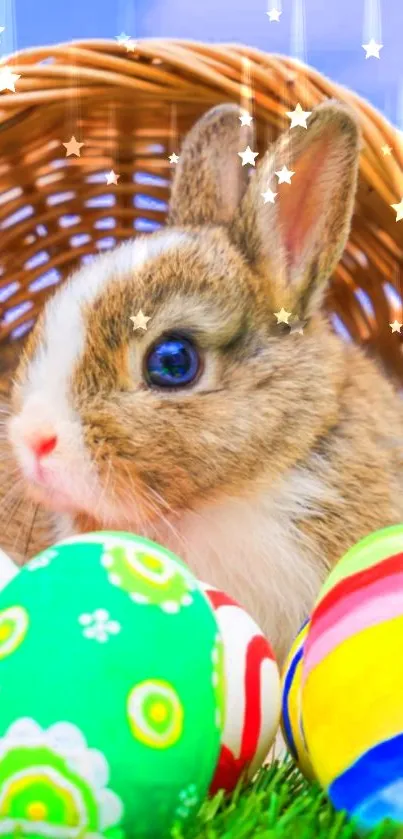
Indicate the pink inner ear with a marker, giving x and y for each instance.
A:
(302, 204)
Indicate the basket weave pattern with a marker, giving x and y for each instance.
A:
(131, 110)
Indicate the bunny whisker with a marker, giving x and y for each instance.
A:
(26, 554)
(12, 494)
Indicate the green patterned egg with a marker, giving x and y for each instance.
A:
(111, 692)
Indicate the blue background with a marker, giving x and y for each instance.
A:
(334, 32)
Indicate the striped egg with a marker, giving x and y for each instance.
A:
(291, 722)
(352, 681)
(252, 692)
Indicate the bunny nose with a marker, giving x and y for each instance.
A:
(41, 446)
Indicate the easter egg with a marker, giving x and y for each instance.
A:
(291, 720)
(252, 692)
(112, 692)
(352, 681)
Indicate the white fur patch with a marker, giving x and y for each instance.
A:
(68, 478)
(253, 550)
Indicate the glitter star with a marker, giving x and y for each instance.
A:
(139, 321)
(8, 79)
(123, 38)
(269, 196)
(248, 156)
(173, 158)
(112, 178)
(399, 210)
(282, 316)
(73, 147)
(396, 326)
(274, 15)
(284, 175)
(298, 117)
(131, 45)
(297, 327)
(246, 118)
(386, 150)
(372, 49)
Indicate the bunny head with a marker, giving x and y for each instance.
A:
(158, 378)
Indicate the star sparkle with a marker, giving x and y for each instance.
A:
(399, 210)
(127, 41)
(396, 326)
(298, 116)
(122, 38)
(386, 150)
(372, 49)
(297, 327)
(8, 79)
(174, 158)
(282, 316)
(284, 175)
(274, 15)
(246, 118)
(73, 147)
(248, 156)
(112, 178)
(269, 196)
(139, 321)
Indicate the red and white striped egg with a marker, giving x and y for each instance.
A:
(252, 692)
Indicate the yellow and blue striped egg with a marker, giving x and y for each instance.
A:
(352, 681)
(291, 722)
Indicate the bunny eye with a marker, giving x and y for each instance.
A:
(172, 362)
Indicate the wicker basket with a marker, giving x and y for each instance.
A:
(131, 105)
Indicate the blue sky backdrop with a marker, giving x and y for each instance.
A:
(334, 32)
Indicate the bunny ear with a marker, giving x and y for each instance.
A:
(297, 241)
(210, 180)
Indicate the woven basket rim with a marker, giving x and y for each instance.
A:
(195, 75)
(159, 48)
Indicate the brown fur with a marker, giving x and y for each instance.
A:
(269, 402)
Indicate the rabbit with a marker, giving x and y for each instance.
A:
(160, 393)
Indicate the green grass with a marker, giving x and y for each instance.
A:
(280, 804)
